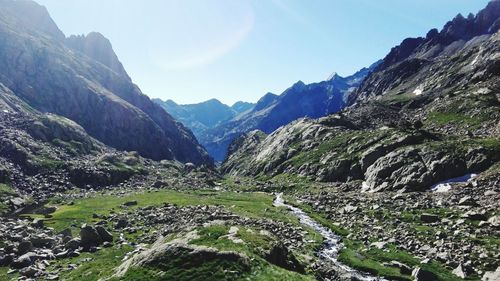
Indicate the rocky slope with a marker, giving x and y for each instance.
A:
(415, 121)
(273, 111)
(43, 153)
(81, 78)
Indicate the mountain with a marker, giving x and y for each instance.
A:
(427, 113)
(203, 116)
(272, 111)
(81, 78)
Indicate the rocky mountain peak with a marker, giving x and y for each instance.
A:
(266, 100)
(99, 48)
(485, 21)
(333, 76)
(29, 15)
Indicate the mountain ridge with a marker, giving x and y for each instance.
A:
(80, 85)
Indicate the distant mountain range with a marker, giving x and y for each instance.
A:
(203, 116)
(81, 78)
(216, 125)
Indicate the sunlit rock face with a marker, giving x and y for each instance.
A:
(82, 79)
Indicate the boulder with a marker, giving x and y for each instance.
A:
(73, 244)
(24, 260)
(423, 275)
(280, 255)
(122, 223)
(89, 236)
(429, 218)
(24, 247)
(492, 275)
(460, 271)
(105, 235)
(164, 253)
(130, 203)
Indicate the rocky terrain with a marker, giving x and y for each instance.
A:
(408, 136)
(81, 78)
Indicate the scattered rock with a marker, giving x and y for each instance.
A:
(423, 275)
(429, 218)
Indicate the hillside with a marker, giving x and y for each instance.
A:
(81, 78)
(412, 119)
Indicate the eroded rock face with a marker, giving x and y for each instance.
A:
(82, 80)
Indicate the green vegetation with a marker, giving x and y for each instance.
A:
(319, 217)
(246, 204)
(372, 260)
(92, 266)
(347, 145)
(5, 190)
(398, 98)
(5, 276)
(443, 118)
(43, 164)
(259, 205)
(72, 147)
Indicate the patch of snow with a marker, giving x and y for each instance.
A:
(419, 90)
(365, 187)
(447, 185)
(5, 111)
(477, 57)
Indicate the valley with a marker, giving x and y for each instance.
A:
(392, 173)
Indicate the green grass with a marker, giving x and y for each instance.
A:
(5, 190)
(319, 217)
(44, 164)
(372, 260)
(72, 147)
(93, 266)
(254, 242)
(5, 276)
(443, 118)
(255, 205)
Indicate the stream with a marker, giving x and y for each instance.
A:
(332, 244)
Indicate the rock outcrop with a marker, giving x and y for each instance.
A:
(417, 119)
(82, 79)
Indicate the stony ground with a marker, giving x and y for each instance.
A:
(88, 235)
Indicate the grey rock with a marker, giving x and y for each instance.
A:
(105, 235)
(423, 275)
(24, 247)
(89, 236)
(492, 275)
(429, 218)
(24, 260)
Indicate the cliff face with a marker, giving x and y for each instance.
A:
(428, 113)
(81, 78)
(413, 56)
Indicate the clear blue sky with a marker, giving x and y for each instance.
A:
(194, 50)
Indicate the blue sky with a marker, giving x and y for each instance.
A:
(194, 50)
